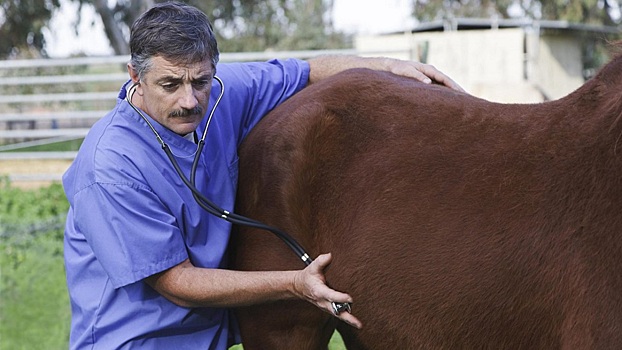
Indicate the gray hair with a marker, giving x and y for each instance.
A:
(175, 31)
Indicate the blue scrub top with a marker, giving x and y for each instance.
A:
(131, 216)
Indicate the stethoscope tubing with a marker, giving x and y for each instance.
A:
(205, 202)
(212, 207)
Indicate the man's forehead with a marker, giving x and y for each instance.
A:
(162, 67)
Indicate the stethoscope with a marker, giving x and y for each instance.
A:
(210, 206)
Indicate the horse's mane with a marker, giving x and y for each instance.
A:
(614, 48)
(606, 84)
(610, 71)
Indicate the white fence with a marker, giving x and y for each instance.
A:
(31, 112)
(44, 101)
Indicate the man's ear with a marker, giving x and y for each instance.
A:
(133, 74)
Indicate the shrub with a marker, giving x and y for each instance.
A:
(34, 304)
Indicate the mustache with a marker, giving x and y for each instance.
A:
(185, 112)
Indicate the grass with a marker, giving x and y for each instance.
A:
(336, 343)
(67, 145)
(34, 305)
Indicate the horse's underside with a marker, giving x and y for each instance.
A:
(454, 222)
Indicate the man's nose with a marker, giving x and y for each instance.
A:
(188, 99)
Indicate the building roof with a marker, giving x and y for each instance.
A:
(453, 24)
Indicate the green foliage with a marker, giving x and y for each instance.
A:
(23, 23)
(251, 25)
(429, 10)
(34, 304)
(30, 212)
(575, 11)
(242, 25)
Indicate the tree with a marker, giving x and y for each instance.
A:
(576, 11)
(579, 11)
(122, 15)
(252, 25)
(428, 10)
(240, 25)
(21, 27)
(310, 27)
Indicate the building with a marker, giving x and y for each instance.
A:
(511, 61)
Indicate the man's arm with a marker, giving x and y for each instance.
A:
(190, 286)
(325, 66)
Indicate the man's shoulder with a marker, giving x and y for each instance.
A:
(109, 149)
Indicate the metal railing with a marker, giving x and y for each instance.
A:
(44, 101)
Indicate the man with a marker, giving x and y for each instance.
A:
(146, 265)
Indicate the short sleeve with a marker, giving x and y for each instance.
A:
(253, 89)
(131, 232)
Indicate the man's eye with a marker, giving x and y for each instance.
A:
(201, 84)
(169, 87)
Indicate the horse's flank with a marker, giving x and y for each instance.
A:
(454, 221)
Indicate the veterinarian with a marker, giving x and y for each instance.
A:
(146, 265)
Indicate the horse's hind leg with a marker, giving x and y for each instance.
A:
(287, 325)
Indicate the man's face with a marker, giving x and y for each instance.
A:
(175, 95)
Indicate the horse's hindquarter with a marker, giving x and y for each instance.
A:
(432, 203)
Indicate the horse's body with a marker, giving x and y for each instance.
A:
(454, 222)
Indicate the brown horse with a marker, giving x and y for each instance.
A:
(454, 222)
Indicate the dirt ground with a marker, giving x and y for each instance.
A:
(19, 170)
